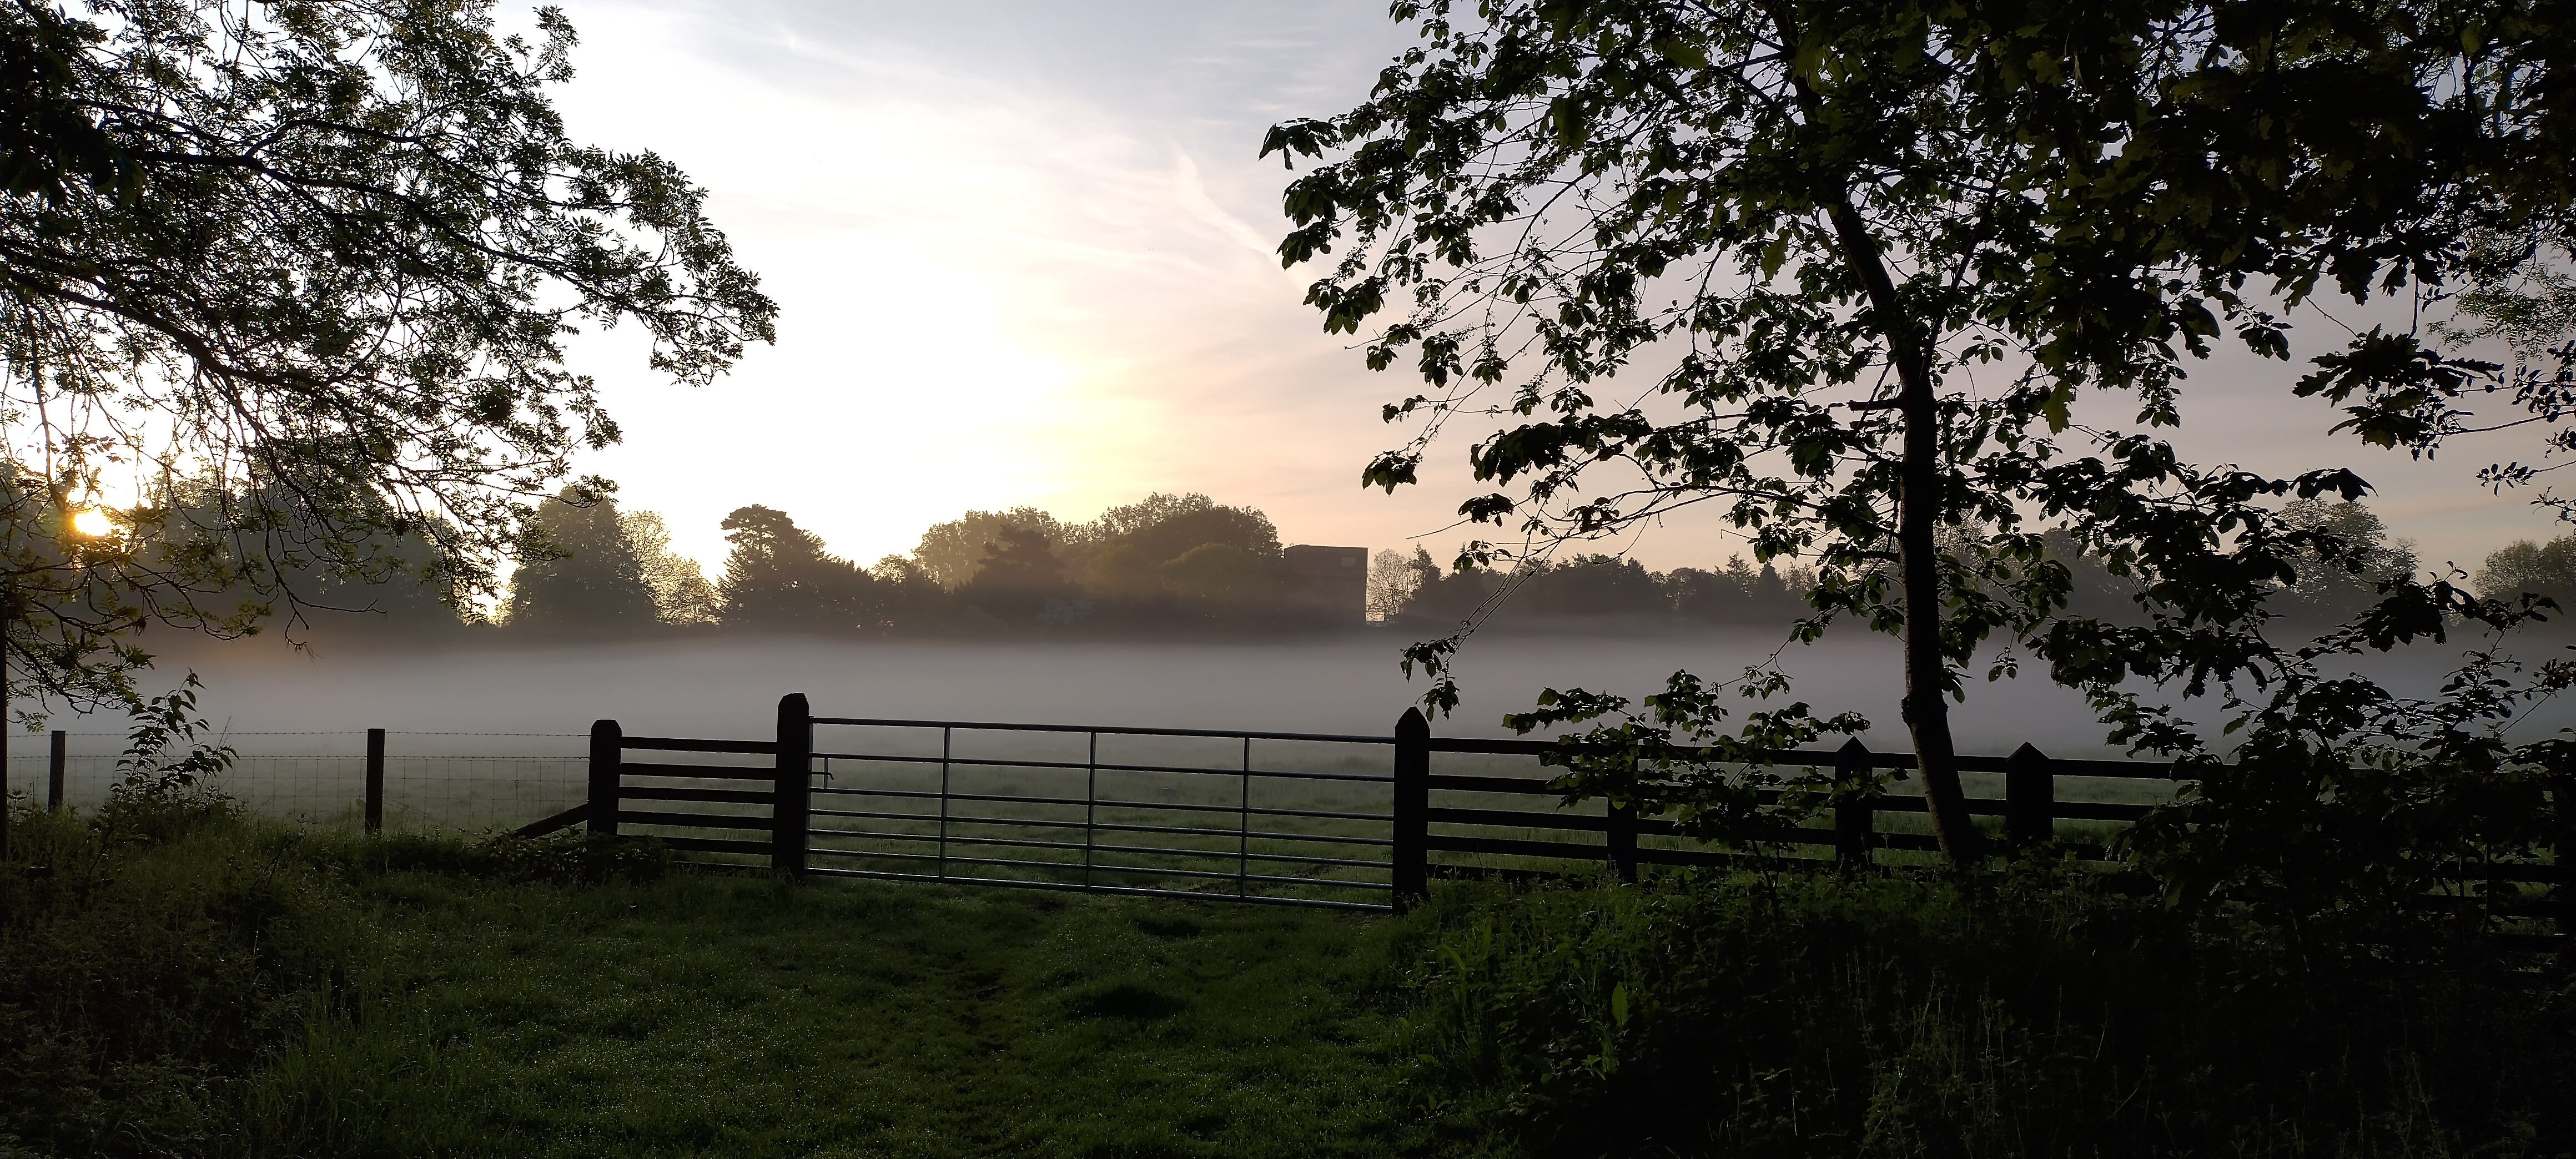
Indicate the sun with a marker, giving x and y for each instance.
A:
(92, 522)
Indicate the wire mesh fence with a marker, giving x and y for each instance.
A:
(434, 781)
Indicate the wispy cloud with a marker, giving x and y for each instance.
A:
(1025, 255)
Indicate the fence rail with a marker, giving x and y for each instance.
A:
(1151, 819)
(1322, 831)
(1341, 820)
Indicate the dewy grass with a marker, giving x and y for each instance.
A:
(736, 1016)
(418, 996)
(222, 987)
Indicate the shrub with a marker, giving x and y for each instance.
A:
(2040, 1015)
(157, 952)
(152, 956)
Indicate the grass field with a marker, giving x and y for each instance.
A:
(701, 1014)
(195, 984)
(733, 1016)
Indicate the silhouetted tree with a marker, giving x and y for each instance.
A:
(405, 586)
(2337, 581)
(2093, 590)
(907, 595)
(1131, 557)
(394, 579)
(2542, 569)
(1807, 225)
(1588, 585)
(586, 576)
(1449, 598)
(1224, 578)
(1018, 577)
(322, 251)
(1739, 593)
(779, 576)
(952, 552)
(680, 590)
(1393, 578)
(1122, 571)
(1126, 519)
(1167, 539)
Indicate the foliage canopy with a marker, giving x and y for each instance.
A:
(1887, 269)
(320, 255)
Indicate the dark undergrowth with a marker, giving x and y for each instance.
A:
(223, 987)
(178, 980)
(2035, 1015)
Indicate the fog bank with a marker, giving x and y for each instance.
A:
(729, 685)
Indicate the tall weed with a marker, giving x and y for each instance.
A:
(164, 959)
(2041, 1015)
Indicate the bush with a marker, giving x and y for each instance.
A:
(157, 953)
(151, 958)
(2040, 1015)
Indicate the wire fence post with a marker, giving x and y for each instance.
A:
(375, 781)
(1855, 816)
(55, 764)
(791, 812)
(2030, 800)
(607, 750)
(1412, 809)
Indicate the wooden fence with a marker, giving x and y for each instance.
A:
(2030, 807)
(1435, 822)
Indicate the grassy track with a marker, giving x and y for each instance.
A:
(730, 1016)
(244, 989)
(188, 982)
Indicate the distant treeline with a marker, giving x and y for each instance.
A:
(1185, 562)
(1164, 562)
(1595, 586)
(1587, 587)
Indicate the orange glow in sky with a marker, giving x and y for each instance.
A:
(1023, 255)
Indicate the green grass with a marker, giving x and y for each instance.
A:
(193, 982)
(423, 996)
(705, 1015)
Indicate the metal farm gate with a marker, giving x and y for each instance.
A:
(1314, 819)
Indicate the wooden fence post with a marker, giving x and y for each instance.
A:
(1622, 834)
(607, 750)
(1855, 821)
(2030, 800)
(375, 781)
(54, 768)
(1623, 840)
(791, 811)
(2564, 890)
(1412, 809)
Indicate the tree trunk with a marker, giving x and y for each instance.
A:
(1918, 504)
(1918, 501)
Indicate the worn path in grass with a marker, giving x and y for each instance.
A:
(742, 1017)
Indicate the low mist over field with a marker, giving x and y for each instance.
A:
(730, 684)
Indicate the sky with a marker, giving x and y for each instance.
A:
(1023, 256)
